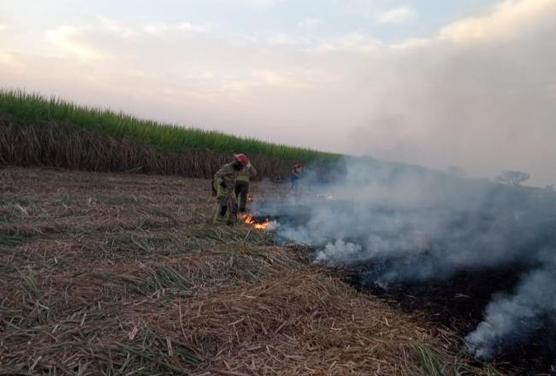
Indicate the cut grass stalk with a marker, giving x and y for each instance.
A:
(10, 241)
(432, 363)
(30, 285)
(159, 277)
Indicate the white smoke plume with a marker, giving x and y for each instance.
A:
(405, 224)
(516, 317)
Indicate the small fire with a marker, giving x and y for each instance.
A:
(252, 221)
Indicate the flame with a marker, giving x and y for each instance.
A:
(252, 221)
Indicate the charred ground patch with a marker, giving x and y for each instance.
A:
(459, 304)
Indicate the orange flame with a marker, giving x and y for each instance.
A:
(252, 221)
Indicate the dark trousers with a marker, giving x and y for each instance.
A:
(241, 191)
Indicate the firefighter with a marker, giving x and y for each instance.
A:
(296, 174)
(224, 183)
(242, 185)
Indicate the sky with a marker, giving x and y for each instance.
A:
(439, 83)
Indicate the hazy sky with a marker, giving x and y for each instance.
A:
(438, 83)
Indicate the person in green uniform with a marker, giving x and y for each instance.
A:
(224, 183)
(242, 185)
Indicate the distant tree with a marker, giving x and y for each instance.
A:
(455, 171)
(513, 177)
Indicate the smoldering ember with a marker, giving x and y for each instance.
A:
(398, 227)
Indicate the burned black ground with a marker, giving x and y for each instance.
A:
(459, 304)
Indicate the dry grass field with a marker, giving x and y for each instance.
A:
(122, 274)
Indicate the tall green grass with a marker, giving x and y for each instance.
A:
(21, 107)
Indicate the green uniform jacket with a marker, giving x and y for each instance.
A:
(227, 175)
(246, 174)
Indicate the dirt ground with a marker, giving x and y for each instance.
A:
(123, 274)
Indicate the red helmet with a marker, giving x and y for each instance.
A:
(241, 158)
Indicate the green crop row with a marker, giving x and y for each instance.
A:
(24, 108)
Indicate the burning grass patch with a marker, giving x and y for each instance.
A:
(229, 235)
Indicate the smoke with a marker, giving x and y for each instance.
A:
(514, 318)
(402, 224)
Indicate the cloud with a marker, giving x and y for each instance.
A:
(396, 16)
(117, 27)
(3, 27)
(185, 27)
(351, 42)
(285, 39)
(412, 43)
(507, 19)
(281, 79)
(69, 39)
